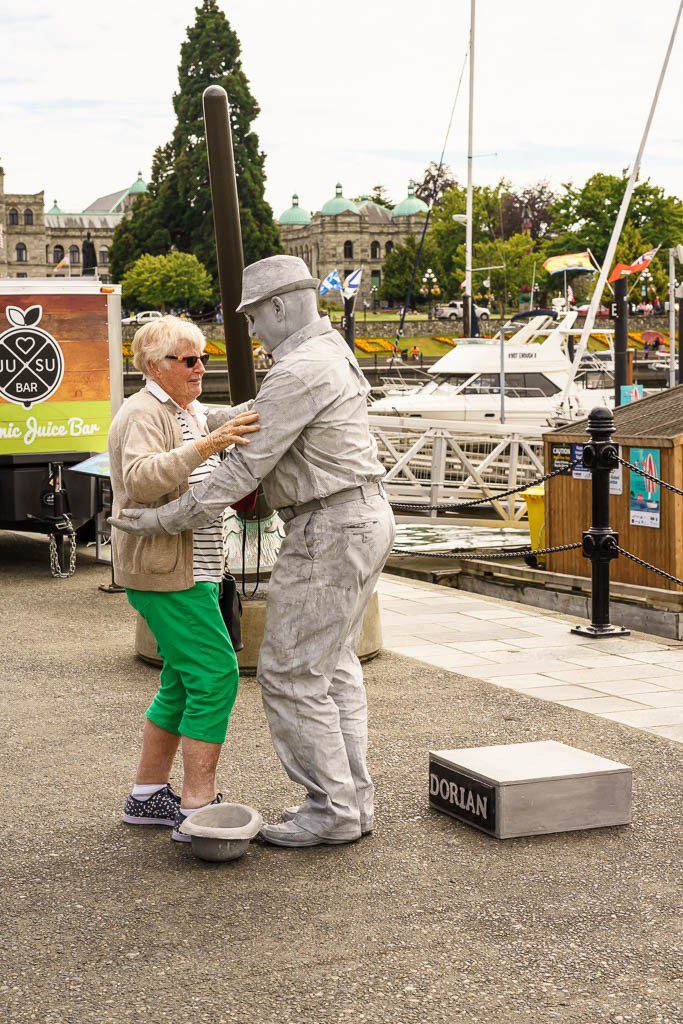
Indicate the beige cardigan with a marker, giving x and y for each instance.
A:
(149, 466)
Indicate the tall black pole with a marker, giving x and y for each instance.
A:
(679, 373)
(620, 317)
(600, 541)
(229, 253)
(466, 316)
(350, 322)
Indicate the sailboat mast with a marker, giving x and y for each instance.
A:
(468, 235)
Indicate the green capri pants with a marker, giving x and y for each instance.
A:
(200, 674)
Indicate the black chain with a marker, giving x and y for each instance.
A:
(649, 476)
(466, 554)
(646, 565)
(404, 506)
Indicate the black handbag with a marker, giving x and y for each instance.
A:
(230, 604)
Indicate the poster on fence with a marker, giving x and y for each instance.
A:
(645, 494)
(579, 473)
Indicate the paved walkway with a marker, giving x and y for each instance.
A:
(637, 680)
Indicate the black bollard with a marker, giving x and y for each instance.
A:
(600, 541)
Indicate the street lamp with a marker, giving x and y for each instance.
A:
(430, 286)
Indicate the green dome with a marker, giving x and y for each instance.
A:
(410, 206)
(137, 186)
(295, 214)
(338, 204)
(55, 208)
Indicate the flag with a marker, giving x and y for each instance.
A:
(63, 264)
(332, 283)
(642, 263)
(570, 261)
(352, 284)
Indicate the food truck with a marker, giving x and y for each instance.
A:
(61, 382)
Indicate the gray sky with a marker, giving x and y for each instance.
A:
(562, 90)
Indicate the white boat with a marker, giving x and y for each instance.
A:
(465, 385)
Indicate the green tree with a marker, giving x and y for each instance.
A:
(589, 212)
(398, 269)
(179, 194)
(178, 279)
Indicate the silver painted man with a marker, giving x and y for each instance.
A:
(318, 464)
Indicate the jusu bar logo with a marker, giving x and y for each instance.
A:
(462, 796)
(31, 361)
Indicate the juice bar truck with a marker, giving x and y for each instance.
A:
(61, 381)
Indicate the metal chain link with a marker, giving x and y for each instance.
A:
(649, 476)
(467, 555)
(456, 506)
(55, 567)
(646, 565)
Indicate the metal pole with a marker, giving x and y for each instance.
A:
(620, 316)
(600, 541)
(672, 318)
(680, 335)
(350, 322)
(502, 375)
(467, 324)
(229, 253)
(621, 216)
(228, 233)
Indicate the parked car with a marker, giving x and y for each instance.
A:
(602, 310)
(453, 311)
(142, 318)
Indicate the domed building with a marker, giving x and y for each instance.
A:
(346, 235)
(33, 242)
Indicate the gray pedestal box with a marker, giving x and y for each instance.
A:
(525, 789)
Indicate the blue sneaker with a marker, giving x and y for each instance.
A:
(161, 808)
(179, 836)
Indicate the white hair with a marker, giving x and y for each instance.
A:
(160, 338)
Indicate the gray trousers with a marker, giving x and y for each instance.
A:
(311, 678)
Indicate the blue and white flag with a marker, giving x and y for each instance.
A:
(352, 284)
(332, 283)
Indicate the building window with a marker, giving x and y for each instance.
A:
(103, 257)
(389, 247)
(22, 255)
(13, 218)
(57, 253)
(348, 250)
(28, 217)
(74, 255)
(375, 278)
(374, 250)
(22, 275)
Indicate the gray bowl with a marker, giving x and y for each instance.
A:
(222, 831)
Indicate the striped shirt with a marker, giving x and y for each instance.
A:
(208, 540)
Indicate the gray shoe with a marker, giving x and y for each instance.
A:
(289, 834)
(366, 827)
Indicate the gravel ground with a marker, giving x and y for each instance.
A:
(426, 921)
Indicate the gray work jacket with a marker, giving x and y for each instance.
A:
(314, 439)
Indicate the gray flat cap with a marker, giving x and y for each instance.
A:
(275, 275)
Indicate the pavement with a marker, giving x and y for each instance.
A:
(427, 921)
(636, 680)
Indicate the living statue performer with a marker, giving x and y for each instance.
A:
(318, 464)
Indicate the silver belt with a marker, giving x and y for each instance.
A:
(364, 491)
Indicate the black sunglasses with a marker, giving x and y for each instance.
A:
(191, 361)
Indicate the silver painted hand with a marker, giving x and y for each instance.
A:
(140, 521)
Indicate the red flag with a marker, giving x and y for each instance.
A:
(642, 263)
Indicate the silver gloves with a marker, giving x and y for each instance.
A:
(140, 521)
(185, 513)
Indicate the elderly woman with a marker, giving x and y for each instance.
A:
(159, 445)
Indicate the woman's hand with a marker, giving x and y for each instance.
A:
(229, 433)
